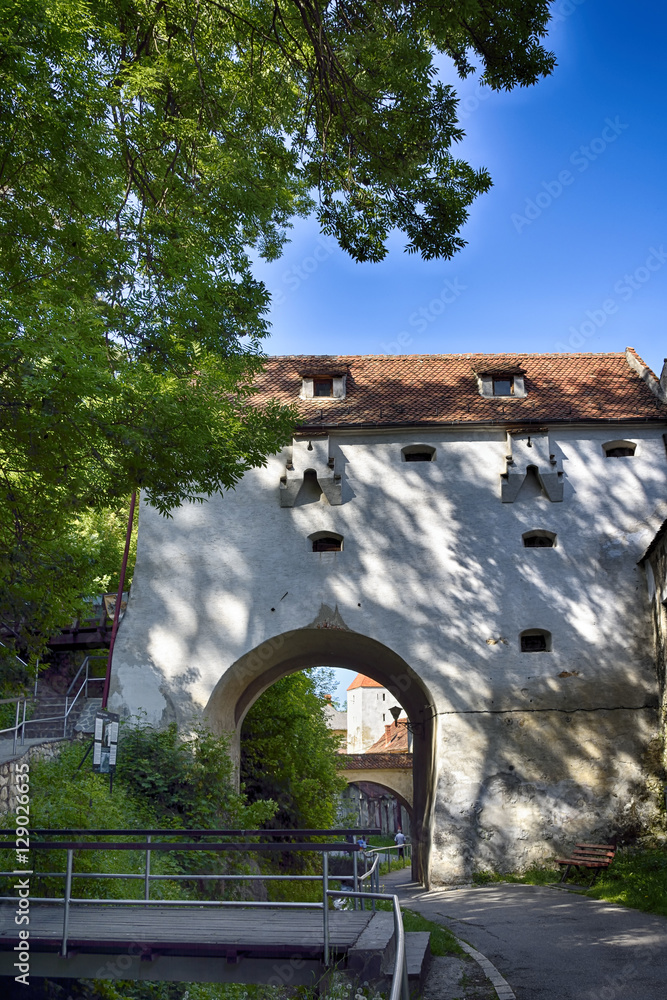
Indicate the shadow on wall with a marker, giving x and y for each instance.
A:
(535, 749)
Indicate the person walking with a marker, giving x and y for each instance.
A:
(399, 839)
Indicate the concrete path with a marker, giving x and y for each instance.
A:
(551, 943)
(7, 747)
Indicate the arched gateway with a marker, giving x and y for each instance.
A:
(336, 646)
(397, 536)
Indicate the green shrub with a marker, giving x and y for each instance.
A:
(637, 878)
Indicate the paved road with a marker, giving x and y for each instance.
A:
(550, 943)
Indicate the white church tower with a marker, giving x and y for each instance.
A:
(368, 712)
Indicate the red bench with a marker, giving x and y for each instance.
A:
(595, 857)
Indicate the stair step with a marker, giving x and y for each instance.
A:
(418, 956)
(373, 948)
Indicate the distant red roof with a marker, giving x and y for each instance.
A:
(395, 739)
(370, 761)
(361, 681)
(442, 388)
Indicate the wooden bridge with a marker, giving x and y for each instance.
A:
(203, 940)
(193, 944)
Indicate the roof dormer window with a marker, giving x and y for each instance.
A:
(323, 387)
(508, 383)
(503, 386)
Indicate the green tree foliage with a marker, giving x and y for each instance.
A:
(187, 782)
(289, 755)
(150, 150)
(161, 781)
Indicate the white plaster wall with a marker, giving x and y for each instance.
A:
(367, 715)
(433, 566)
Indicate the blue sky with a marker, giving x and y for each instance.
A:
(547, 250)
(569, 249)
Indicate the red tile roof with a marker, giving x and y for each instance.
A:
(442, 389)
(395, 739)
(370, 761)
(361, 681)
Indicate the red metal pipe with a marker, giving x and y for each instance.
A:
(119, 598)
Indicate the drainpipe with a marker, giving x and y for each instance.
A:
(119, 598)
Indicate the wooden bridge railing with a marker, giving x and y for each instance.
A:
(278, 843)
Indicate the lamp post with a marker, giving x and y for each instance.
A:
(395, 712)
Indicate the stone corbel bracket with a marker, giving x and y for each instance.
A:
(530, 448)
(311, 454)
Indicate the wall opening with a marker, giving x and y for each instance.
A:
(535, 640)
(310, 490)
(243, 683)
(326, 541)
(539, 538)
(418, 453)
(372, 803)
(619, 449)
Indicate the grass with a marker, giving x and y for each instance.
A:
(443, 941)
(382, 841)
(532, 876)
(637, 878)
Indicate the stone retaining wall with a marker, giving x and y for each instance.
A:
(43, 751)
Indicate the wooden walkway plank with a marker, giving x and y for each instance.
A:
(171, 926)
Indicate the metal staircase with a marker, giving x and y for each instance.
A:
(57, 716)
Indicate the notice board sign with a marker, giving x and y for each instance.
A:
(105, 742)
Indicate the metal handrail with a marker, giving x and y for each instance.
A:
(386, 850)
(399, 987)
(374, 874)
(17, 725)
(88, 680)
(18, 699)
(399, 982)
(107, 831)
(21, 726)
(371, 870)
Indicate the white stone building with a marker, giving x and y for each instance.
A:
(464, 529)
(368, 712)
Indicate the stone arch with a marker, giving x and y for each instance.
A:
(385, 786)
(246, 679)
(383, 782)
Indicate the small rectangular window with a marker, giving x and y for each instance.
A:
(533, 643)
(323, 387)
(503, 387)
(327, 545)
